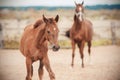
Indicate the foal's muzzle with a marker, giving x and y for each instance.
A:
(55, 47)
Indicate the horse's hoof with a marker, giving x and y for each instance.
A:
(27, 78)
(72, 65)
(82, 66)
(52, 79)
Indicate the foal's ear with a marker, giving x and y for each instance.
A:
(57, 18)
(45, 19)
(75, 3)
(82, 2)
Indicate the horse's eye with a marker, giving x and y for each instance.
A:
(48, 32)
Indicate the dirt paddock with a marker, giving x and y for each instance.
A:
(105, 65)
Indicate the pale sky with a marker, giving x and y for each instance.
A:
(54, 2)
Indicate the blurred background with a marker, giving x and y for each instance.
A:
(16, 14)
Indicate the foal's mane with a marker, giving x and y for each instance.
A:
(38, 23)
(40, 38)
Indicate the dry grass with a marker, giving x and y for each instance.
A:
(105, 65)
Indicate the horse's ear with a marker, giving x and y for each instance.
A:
(57, 18)
(82, 2)
(75, 17)
(45, 19)
(75, 3)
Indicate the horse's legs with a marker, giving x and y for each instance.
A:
(29, 69)
(89, 47)
(81, 48)
(47, 66)
(73, 53)
(40, 70)
(89, 50)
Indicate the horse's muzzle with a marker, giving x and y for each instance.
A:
(55, 48)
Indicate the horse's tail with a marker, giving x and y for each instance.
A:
(67, 33)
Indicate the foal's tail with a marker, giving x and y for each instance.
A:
(67, 33)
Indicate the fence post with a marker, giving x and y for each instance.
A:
(113, 34)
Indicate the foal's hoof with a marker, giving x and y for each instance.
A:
(52, 76)
(52, 79)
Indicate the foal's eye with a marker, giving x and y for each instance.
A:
(48, 32)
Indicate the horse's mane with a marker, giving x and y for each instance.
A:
(38, 23)
(40, 38)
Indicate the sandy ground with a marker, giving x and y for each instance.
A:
(105, 65)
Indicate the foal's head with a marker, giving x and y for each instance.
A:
(79, 10)
(51, 31)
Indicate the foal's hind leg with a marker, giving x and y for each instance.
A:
(29, 69)
(73, 53)
(40, 70)
(89, 50)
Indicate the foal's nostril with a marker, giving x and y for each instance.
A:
(56, 48)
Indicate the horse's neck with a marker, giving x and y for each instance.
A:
(78, 24)
(40, 38)
(41, 45)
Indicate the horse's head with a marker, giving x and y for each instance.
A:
(51, 31)
(79, 10)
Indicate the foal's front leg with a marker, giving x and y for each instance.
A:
(29, 69)
(47, 66)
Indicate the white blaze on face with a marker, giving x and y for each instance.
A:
(80, 13)
(80, 17)
(80, 9)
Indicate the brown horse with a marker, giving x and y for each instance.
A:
(80, 32)
(34, 45)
